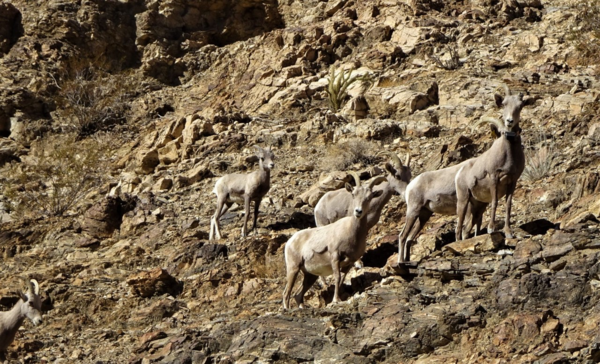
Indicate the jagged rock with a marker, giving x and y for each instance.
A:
(478, 244)
(169, 153)
(102, 219)
(10, 151)
(147, 161)
(154, 282)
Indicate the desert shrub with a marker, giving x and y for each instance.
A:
(55, 177)
(586, 33)
(539, 158)
(338, 86)
(341, 156)
(91, 99)
(449, 63)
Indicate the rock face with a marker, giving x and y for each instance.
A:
(128, 274)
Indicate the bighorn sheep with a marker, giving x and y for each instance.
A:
(432, 192)
(29, 306)
(494, 174)
(337, 204)
(329, 249)
(243, 188)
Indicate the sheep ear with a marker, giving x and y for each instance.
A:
(495, 131)
(258, 149)
(348, 187)
(388, 167)
(377, 193)
(499, 99)
(529, 101)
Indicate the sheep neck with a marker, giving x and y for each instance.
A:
(13, 319)
(377, 204)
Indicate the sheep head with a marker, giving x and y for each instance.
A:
(265, 157)
(363, 194)
(401, 172)
(32, 303)
(511, 106)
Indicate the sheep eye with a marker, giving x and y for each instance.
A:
(262, 159)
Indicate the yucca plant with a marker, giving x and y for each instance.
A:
(338, 85)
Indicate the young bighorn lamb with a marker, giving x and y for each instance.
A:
(432, 192)
(243, 188)
(329, 249)
(494, 174)
(337, 204)
(29, 306)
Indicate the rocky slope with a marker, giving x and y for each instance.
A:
(129, 111)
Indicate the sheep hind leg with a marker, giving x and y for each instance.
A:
(403, 237)
(307, 282)
(292, 274)
(222, 207)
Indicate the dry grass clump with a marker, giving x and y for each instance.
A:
(55, 177)
(91, 99)
(539, 159)
(343, 155)
(451, 62)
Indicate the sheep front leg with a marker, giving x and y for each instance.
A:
(246, 214)
(335, 266)
(462, 204)
(411, 218)
(256, 206)
(509, 195)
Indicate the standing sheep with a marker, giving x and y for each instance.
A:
(329, 249)
(242, 189)
(495, 173)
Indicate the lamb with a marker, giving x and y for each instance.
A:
(330, 249)
(29, 306)
(495, 173)
(337, 204)
(243, 188)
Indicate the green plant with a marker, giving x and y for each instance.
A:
(56, 176)
(338, 83)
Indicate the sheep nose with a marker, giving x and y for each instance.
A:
(271, 165)
(37, 321)
(358, 212)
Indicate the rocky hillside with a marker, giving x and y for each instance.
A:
(118, 117)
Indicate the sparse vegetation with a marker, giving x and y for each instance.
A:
(586, 32)
(452, 62)
(56, 177)
(338, 85)
(539, 159)
(343, 155)
(91, 99)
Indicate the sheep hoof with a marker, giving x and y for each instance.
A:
(508, 235)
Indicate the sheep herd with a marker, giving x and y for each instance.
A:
(344, 217)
